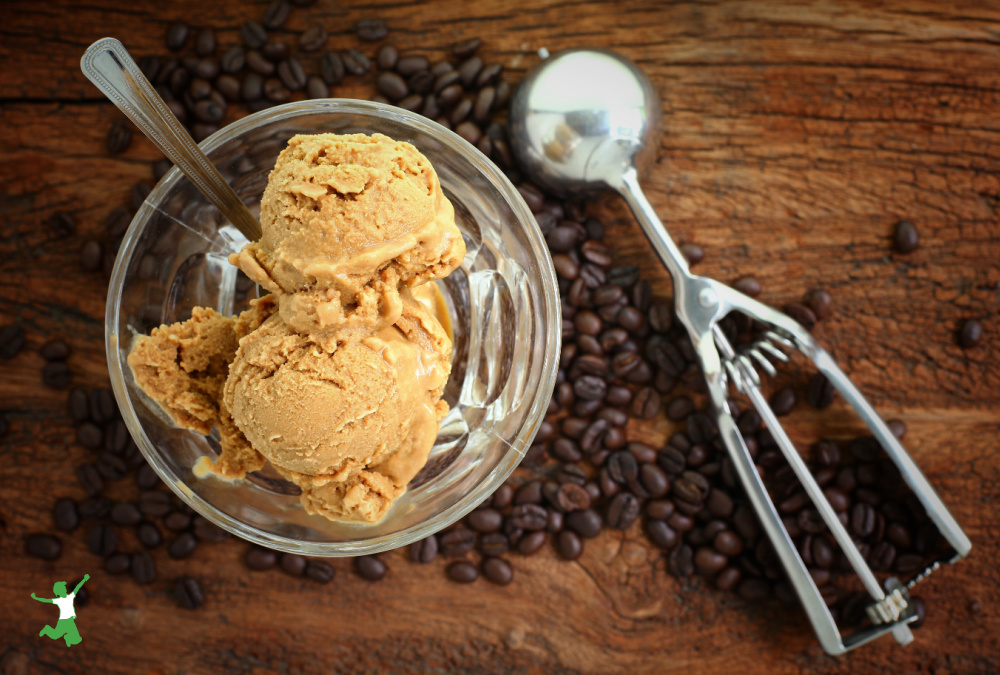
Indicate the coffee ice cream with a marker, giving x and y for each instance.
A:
(336, 377)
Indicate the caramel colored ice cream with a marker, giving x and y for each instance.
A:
(336, 378)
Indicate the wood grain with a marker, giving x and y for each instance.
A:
(797, 134)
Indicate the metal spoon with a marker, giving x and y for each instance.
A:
(109, 66)
(587, 119)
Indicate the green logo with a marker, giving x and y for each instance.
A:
(66, 626)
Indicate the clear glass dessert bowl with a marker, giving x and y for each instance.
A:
(503, 304)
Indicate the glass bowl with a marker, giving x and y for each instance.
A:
(503, 303)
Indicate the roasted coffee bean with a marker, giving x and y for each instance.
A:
(493, 544)
(62, 225)
(498, 571)
(529, 493)
(391, 85)
(177, 35)
(565, 450)
(371, 30)
(183, 546)
(91, 255)
(275, 91)
(43, 546)
(529, 517)
(971, 334)
(125, 513)
(355, 62)
(331, 68)
(862, 520)
(484, 520)
(119, 563)
(208, 68)
(469, 70)
(920, 608)
(691, 487)
(483, 104)
(79, 406)
(425, 550)
(316, 88)
(149, 534)
(654, 480)
(146, 479)
(679, 408)
(142, 565)
(590, 388)
(469, 131)
(209, 111)
(783, 401)
(313, 38)
(532, 542)
(727, 542)
(646, 403)
(177, 521)
(205, 42)
(466, 48)
(572, 497)
(319, 571)
(462, 572)
(680, 562)
(229, 87)
(259, 558)
(292, 74)
(253, 87)
(906, 238)
(907, 563)
(65, 514)
(569, 546)
(111, 467)
(748, 286)
(90, 479)
(820, 392)
(56, 375)
(586, 523)
(460, 112)
(292, 564)
(802, 314)
(387, 57)
(154, 503)
(254, 36)
(103, 540)
(819, 301)
(623, 510)
(94, 508)
(119, 137)
(693, 253)
(457, 542)
(412, 64)
(709, 561)
(188, 593)
(55, 350)
(671, 460)
(622, 467)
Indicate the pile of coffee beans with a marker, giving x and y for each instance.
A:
(625, 359)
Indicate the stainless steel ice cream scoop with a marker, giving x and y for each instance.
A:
(587, 119)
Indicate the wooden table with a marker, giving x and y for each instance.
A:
(797, 134)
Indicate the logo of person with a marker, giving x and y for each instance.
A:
(66, 626)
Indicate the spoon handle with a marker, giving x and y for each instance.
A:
(109, 66)
(653, 227)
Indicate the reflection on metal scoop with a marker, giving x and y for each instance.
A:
(588, 119)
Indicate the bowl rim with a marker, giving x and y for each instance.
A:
(538, 403)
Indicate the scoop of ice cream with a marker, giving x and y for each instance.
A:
(346, 220)
(350, 423)
(184, 366)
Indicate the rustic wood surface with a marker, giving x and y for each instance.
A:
(797, 134)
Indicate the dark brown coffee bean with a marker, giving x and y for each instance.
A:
(177, 35)
(498, 571)
(783, 401)
(529, 517)
(319, 571)
(205, 42)
(694, 253)
(293, 564)
(469, 131)
(65, 514)
(275, 91)
(450, 95)
(259, 558)
(412, 64)
(565, 450)
(862, 520)
(91, 254)
(586, 523)
(253, 87)
(154, 503)
(355, 62)
(292, 74)
(56, 375)
(709, 561)
(493, 544)
(208, 68)
(819, 301)
(820, 392)
(646, 403)
(94, 508)
(623, 510)
(465, 48)
(79, 406)
(103, 540)
(149, 534)
(457, 542)
(906, 238)
(747, 286)
(119, 563)
(254, 36)
(460, 111)
(259, 65)
(691, 487)
(331, 68)
(90, 479)
(206, 530)
(971, 334)
(623, 467)
(569, 546)
(802, 314)
(62, 224)
(572, 497)
(177, 521)
(469, 69)
(483, 104)
(142, 566)
(387, 57)
(43, 546)
(371, 30)
(680, 562)
(313, 38)
(462, 572)
(484, 520)
(425, 550)
(590, 388)
(183, 546)
(529, 493)
(920, 609)
(55, 350)
(119, 137)
(316, 88)
(125, 513)
(188, 593)
(276, 14)
(908, 563)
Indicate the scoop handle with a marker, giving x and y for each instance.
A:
(109, 66)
